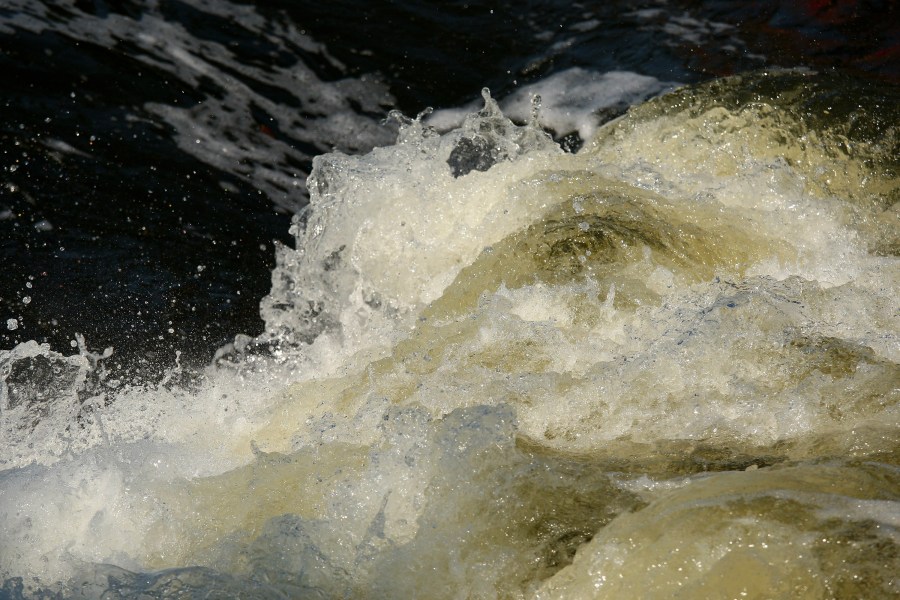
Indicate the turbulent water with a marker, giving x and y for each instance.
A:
(666, 365)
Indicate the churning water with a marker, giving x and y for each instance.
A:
(665, 365)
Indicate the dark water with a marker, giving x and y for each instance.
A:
(153, 151)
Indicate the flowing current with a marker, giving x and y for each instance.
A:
(664, 366)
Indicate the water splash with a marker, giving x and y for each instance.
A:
(668, 361)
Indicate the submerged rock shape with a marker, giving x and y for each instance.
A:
(473, 154)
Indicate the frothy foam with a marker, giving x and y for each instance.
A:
(574, 100)
(496, 369)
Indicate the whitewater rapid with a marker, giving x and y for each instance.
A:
(664, 366)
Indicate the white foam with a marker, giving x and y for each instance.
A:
(488, 349)
(573, 100)
(395, 227)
